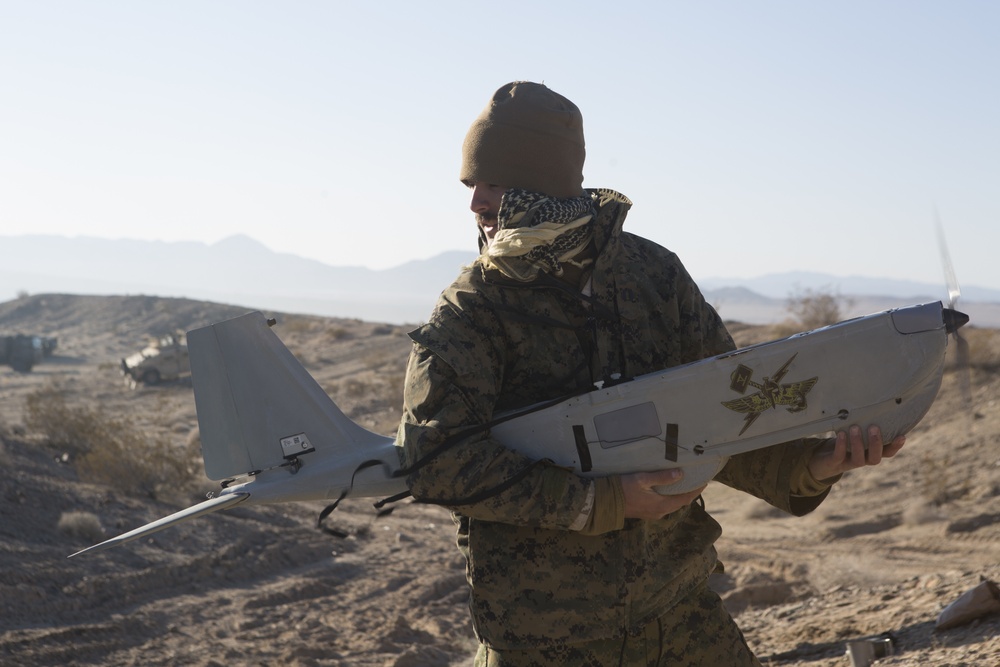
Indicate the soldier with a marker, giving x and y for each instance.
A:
(567, 570)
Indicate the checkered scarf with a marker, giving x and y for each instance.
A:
(539, 233)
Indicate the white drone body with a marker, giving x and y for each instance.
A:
(270, 430)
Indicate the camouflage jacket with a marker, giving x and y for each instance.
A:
(492, 345)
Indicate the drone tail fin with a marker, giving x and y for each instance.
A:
(270, 431)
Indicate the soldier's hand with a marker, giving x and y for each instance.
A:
(849, 452)
(642, 501)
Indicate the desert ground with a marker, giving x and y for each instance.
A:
(889, 549)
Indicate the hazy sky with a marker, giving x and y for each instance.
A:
(754, 136)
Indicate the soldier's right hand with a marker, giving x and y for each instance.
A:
(642, 501)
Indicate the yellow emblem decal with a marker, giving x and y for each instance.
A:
(770, 393)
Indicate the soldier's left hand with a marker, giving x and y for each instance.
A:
(849, 452)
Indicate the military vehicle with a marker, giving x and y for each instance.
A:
(21, 352)
(49, 345)
(164, 360)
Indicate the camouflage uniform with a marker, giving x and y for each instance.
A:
(493, 345)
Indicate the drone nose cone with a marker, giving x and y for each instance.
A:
(954, 319)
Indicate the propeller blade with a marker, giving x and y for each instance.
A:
(953, 319)
(950, 279)
(963, 368)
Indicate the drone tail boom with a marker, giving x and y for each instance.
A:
(202, 508)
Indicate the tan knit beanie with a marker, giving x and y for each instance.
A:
(527, 137)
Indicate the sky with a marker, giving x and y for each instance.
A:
(753, 137)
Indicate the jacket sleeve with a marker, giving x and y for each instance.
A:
(779, 475)
(453, 378)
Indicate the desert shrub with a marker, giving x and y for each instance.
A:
(938, 483)
(983, 347)
(338, 333)
(376, 359)
(83, 525)
(292, 324)
(105, 449)
(75, 429)
(817, 308)
(356, 388)
(133, 463)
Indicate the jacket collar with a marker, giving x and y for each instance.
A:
(612, 208)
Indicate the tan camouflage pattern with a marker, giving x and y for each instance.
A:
(492, 345)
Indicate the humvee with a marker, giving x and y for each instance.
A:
(21, 352)
(165, 359)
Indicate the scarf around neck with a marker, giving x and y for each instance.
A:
(538, 233)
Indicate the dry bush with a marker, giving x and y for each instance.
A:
(938, 485)
(293, 324)
(133, 463)
(107, 450)
(83, 525)
(376, 359)
(817, 308)
(338, 333)
(984, 347)
(74, 429)
(355, 388)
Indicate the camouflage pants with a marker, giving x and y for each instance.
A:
(699, 632)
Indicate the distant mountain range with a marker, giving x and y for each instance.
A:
(240, 271)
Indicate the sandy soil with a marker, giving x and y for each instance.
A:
(263, 586)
